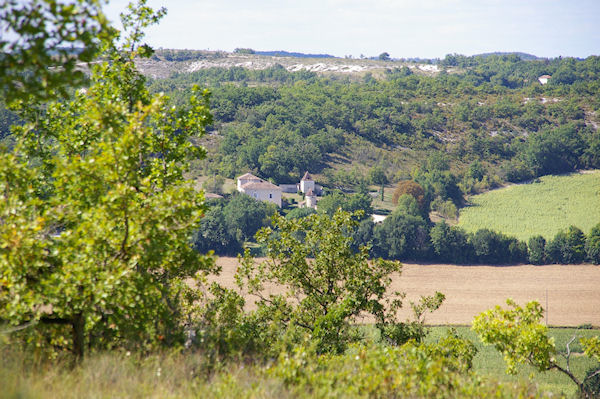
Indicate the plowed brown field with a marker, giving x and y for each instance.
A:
(570, 293)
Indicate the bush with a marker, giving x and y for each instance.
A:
(411, 188)
(446, 209)
(537, 246)
(591, 384)
(450, 244)
(567, 247)
(495, 248)
(440, 370)
(402, 236)
(298, 213)
(592, 245)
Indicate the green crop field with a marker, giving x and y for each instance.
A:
(544, 207)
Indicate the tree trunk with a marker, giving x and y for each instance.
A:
(78, 335)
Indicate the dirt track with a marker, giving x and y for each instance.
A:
(573, 292)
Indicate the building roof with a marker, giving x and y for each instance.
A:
(545, 77)
(212, 195)
(306, 176)
(249, 176)
(262, 185)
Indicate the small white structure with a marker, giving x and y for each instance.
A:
(310, 199)
(378, 218)
(307, 183)
(544, 79)
(259, 189)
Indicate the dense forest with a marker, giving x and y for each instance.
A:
(487, 109)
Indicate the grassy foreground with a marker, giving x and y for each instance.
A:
(544, 207)
(186, 375)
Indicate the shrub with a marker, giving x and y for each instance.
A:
(496, 248)
(537, 245)
(567, 247)
(446, 208)
(411, 188)
(441, 370)
(592, 245)
(402, 236)
(450, 244)
(298, 213)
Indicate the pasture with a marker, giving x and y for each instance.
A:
(543, 207)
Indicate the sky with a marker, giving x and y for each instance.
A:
(403, 28)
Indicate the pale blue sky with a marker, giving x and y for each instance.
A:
(403, 28)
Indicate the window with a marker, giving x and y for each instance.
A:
(270, 195)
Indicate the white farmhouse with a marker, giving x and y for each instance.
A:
(259, 189)
(307, 183)
(544, 79)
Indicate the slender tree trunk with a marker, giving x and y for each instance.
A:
(78, 335)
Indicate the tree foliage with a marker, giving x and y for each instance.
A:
(96, 217)
(328, 284)
(42, 43)
(518, 334)
(411, 188)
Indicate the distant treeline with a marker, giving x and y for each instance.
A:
(406, 234)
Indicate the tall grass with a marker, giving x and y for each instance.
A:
(118, 375)
(544, 207)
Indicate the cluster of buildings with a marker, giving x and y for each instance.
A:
(263, 190)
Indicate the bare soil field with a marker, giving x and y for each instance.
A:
(570, 293)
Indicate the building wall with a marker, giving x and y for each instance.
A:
(273, 196)
(306, 185)
(289, 188)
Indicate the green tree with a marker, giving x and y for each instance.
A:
(537, 250)
(411, 188)
(377, 176)
(328, 283)
(330, 203)
(402, 236)
(245, 215)
(385, 56)
(216, 235)
(298, 213)
(492, 247)
(520, 336)
(450, 244)
(592, 245)
(576, 245)
(42, 43)
(567, 247)
(96, 217)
